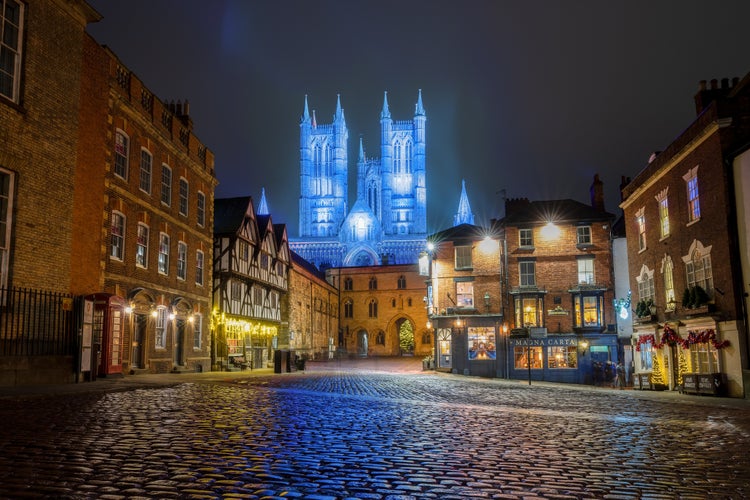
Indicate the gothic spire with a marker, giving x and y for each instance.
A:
(314, 121)
(464, 215)
(386, 113)
(419, 108)
(306, 114)
(339, 111)
(263, 205)
(361, 150)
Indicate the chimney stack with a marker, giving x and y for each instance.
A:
(597, 194)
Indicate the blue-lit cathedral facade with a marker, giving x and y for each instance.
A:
(387, 224)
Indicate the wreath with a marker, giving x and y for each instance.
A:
(671, 337)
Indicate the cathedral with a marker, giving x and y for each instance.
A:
(387, 223)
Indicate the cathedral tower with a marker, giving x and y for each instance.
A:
(387, 222)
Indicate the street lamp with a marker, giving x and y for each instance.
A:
(487, 301)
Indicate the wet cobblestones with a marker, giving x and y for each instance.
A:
(339, 435)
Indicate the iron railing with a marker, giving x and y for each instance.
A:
(36, 322)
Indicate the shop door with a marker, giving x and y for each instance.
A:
(141, 320)
(601, 366)
(179, 342)
(444, 347)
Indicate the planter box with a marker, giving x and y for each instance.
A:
(690, 383)
(711, 384)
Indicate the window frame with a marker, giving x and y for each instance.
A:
(197, 331)
(7, 202)
(640, 221)
(464, 294)
(166, 187)
(182, 251)
(16, 51)
(526, 237)
(141, 246)
(348, 308)
(122, 153)
(200, 209)
(160, 328)
(199, 267)
(526, 277)
(693, 195)
(462, 257)
(146, 171)
(113, 254)
(163, 261)
(585, 272)
(184, 197)
(583, 235)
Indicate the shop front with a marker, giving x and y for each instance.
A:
(564, 358)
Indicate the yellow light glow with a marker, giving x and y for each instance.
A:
(550, 231)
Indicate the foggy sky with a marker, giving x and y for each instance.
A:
(530, 97)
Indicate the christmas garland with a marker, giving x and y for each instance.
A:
(671, 337)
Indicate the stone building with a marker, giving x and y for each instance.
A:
(383, 310)
(311, 308)
(684, 253)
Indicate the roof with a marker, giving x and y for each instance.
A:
(525, 212)
(229, 213)
(298, 261)
(460, 232)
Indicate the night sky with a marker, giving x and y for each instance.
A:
(533, 97)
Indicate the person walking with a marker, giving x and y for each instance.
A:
(620, 379)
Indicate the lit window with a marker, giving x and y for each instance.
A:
(181, 260)
(146, 161)
(527, 273)
(694, 206)
(465, 294)
(463, 257)
(522, 354)
(668, 271)
(640, 220)
(528, 310)
(11, 26)
(117, 236)
(586, 271)
(197, 331)
(583, 235)
(646, 356)
(166, 185)
(141, 248)
(163, 253)
(562, 357)
(199, 268)
(589, 310)
(663, 202)
(161, 328)
(526, 237)
(704, 358)
(183, 197)
(201, 209)
(6, 212)
(121, 154)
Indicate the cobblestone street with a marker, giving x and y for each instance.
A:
(341, 431)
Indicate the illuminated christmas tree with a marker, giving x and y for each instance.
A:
(683, 365)
(658, 377)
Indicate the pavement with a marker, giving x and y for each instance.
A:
(368, 429)
(392, 365)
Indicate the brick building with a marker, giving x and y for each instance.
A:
(560, 289)
(683, 251)
(383, 311)
(143, 213)
(465, 301)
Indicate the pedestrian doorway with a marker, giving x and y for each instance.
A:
(139, 336)
(179, 342)
(444, 348)
(362, 344)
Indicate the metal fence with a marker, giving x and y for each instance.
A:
(36, 322)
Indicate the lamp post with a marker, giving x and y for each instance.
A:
(505, 350)
(487, 301)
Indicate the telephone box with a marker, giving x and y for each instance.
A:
(108, 326)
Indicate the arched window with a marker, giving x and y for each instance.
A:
(373, 283)
(349, 308)
(372, 308)
(407, 157)
(402, 282)
(380, 338)
(348, 284)
(397, 157)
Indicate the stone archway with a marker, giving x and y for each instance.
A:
(362, 343)
(405, 331)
